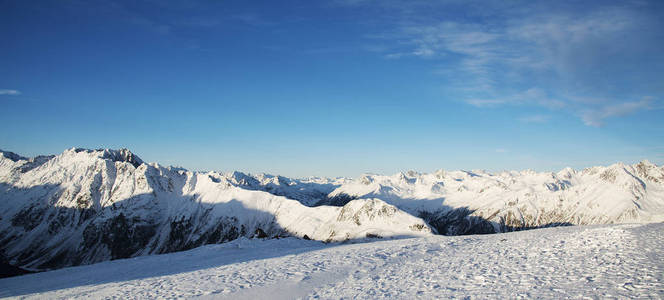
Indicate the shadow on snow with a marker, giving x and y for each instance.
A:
(52, 237)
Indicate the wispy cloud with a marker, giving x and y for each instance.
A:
(10, 92)
(545, 55)
(596, 117)
(533, 96)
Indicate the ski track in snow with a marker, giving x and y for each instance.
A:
(605, 261)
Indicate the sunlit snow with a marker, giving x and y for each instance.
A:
(615, 261)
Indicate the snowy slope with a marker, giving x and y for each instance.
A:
(513, 200)
(307, 191)
(86, 206)
(608, 261)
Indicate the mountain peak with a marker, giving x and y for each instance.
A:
(646, 162)
(122, 155)
(11, 155)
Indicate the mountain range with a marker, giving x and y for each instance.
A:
(86, 206)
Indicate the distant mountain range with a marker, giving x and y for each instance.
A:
(86, 206)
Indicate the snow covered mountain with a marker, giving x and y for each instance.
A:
(460, 202)
(85, 206)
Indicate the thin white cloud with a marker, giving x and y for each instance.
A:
(394, 55)
(532, 96)
(559, 55)
(10, 92)
(534, 45)
(596, 117)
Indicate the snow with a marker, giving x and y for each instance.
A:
(615, 194)
(601, 261)
(88, 206)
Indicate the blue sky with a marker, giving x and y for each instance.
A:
(337, 88)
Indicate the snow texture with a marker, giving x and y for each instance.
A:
(606, 261)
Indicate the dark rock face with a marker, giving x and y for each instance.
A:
(457, 222)
(35, 162)
(125, 237)
(29, 218)
(339, 200)
(260, 233)
(461, 221)
(122, 155)
(7, 270)
(101, 238)
(12, 156)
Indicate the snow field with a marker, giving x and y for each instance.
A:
(606, 261)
